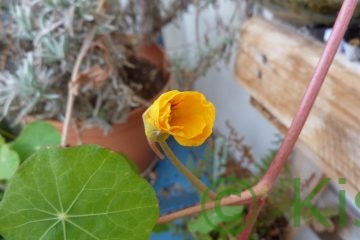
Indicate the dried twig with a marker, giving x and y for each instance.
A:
(73, 84)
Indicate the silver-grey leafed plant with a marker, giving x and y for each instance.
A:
(43, 38)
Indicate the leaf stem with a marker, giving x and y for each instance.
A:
(190, 176)
(245, 199)
(245, 235)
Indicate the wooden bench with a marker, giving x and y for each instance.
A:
(275, 63)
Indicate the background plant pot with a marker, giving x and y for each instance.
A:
(148, 57)
(127, 137)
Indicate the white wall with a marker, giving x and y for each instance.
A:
(219, 84)
(232, 104)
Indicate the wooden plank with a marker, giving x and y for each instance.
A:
(275, 64)
(271, 118)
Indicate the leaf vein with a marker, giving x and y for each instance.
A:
(35, 221)
(56, 183)
(82, 229)
(84, 186)
(49, 228)
(107, 213)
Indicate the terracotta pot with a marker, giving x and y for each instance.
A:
(127, 138)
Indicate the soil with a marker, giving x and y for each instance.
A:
(277, 230)
(268, 226)
(144, 78)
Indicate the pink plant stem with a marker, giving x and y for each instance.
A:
(244, 235)
(340, 26)
(246, 198)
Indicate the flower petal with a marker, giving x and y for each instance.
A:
(188, 116)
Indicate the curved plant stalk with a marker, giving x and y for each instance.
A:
(312, 91)
(265, 184)
(196, 182)
(244, 235)
(246, 198)
(339, 28)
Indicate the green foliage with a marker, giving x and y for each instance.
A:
(200, 225)
(9, 160)
(327, 212)
(161, 228)
(54, 50)
(21, 90)
(83, 192)
(22, 16)
(276, 207)
(62, 193)
(34, 136)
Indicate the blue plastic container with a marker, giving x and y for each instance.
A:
(174, 191)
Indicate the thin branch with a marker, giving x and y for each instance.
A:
(176, 8)
(73, 85)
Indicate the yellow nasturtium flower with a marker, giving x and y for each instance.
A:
(187, 116)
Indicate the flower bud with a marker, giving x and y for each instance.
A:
(187, 116)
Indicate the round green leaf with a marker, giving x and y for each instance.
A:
(2, 140)
(9, 162)
(34, 136)
(200, 225)
(84, 192)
